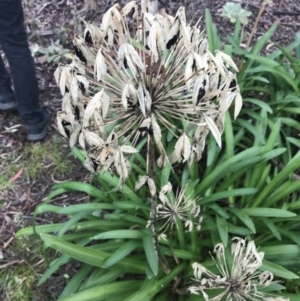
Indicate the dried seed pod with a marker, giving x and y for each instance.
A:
(65, 80)
(200, 88)
(64, 124)
(74, 136)
(166, 188)
(200, 61)
(128, 53)
(182, 149)
(168, 22)
(152, 186)
(57, 74)
(157, 134)
(189, 71)
(92, 34)
(152, 40)
(120, 164)
(213, 128)
(223, 57)
(141, 98)
(100, 66)
(203, 46)
(162, 161)
(173, 34)
(145, 6)
(131, 9)
(163, 198)
(83, 52)
(128, 149)
(129, 95)
(95, 103)
(185, 33)
(78, 67)
(141, 182)
(93, 139)
(238, 104)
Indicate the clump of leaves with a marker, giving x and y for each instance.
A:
(141, 103)
(234, 12)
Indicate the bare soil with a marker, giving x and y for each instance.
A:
(50, 21)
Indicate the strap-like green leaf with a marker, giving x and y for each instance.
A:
(90, 256)
(222, 229)
(268, 212)
(119, 234)
(244, 218)
(74, 284)
(121, 253)
(149, 248)
(72, 209)
(105, 291)
(277, 270)
(225, 194)
(82, 187)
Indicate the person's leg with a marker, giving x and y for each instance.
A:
(7, 98)
(23, 74)
(13, 39)
(5, 84)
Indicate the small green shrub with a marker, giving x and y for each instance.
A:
(234, 12)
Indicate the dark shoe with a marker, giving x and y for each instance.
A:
(36, 132)
(8, 101)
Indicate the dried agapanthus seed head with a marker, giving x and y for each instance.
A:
(154, 78)
(241, 281)
(181, 206)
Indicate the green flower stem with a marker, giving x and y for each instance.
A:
(151, 174)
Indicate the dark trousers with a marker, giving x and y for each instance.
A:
(13, 40)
